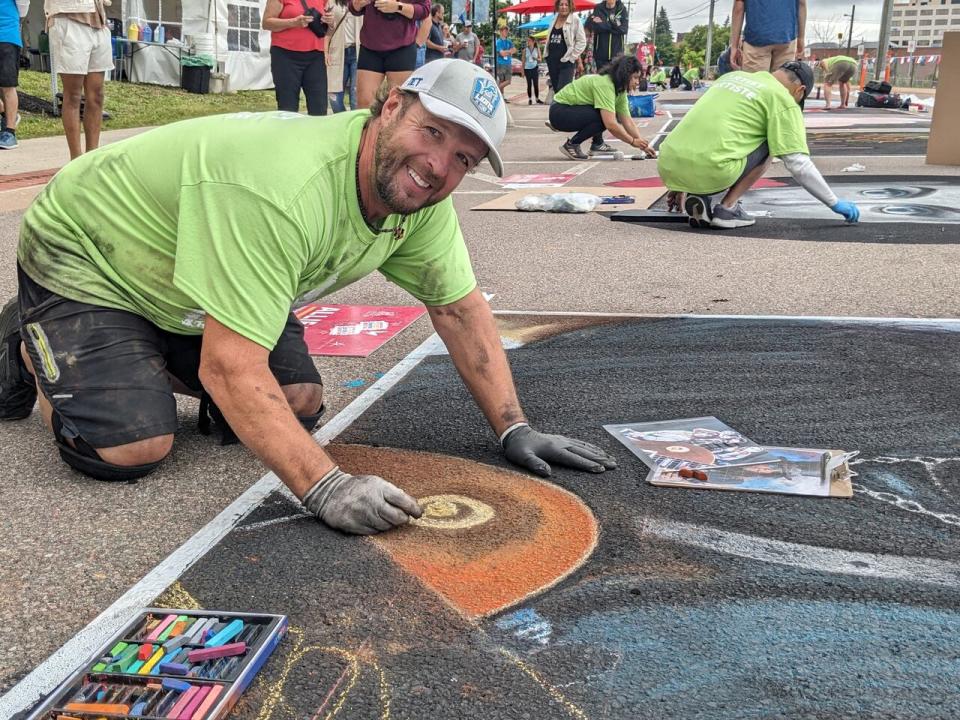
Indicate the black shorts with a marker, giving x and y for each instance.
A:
(402, 59)
(105, 371)
(9, 64)
(755, 159)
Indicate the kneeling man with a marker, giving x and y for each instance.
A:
(727, 140)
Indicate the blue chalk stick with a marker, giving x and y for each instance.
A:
(174, 684)
(172, 668)
(225, 635)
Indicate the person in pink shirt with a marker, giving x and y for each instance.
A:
(297, 29)
(388, 47)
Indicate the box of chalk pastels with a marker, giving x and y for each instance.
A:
(179, 664)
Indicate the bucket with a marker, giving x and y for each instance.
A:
(642, 105)
(219, 83)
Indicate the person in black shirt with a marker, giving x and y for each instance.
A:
(608, 21)
(435, 46)
(564, 45)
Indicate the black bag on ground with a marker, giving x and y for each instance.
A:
(317, 26)
(878, 86)
(870, 99)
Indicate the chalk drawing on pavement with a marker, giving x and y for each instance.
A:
(527, 625)
(452, 512)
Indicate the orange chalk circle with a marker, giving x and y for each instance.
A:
(489, 538)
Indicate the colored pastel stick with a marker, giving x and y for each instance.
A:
(154, 659)
(155, 633)
(194, 703)
(196, 626)
(208, 702)
(118, 648)
(226, 635)
(198, 633)
(174, 684)
(178, 642)
(229, 650)
(169, 629)
(106, 708)
(182, 703)
(174, 669)
(99, 667)
(135, 667)
(145, 652)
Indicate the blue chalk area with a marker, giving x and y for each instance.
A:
(892, 481)
(774, 658)
(359, 382)
(526, 616)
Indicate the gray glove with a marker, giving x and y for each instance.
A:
(533, 450)
(359, 504)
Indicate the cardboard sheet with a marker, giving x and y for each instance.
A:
(643, 197)
(944, 145)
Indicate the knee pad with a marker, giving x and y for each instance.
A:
(309, 422)
(85, 459)
(99, 470)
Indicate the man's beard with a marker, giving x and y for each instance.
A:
(388, 161)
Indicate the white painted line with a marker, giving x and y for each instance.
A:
(82, 647)
(483, 177)
(824, 318)
(808, 557)
(580, 168)
(269, 523)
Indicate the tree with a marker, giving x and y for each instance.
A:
(826, 31)
(695, 44)
(666, 50)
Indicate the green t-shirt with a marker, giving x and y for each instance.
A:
(829, 62)
(707, 152)
(596, 91)
(660, 76)
(240, 216)
(692, 74)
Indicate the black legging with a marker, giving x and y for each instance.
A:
(561, 73)
(293, 70)
(582, 119)
(533, 82)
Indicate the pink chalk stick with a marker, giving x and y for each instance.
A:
(208, 702)
(183, 702)
(155, 633)
(191, 707)
(196, 656)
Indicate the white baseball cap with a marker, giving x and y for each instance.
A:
(467, 95)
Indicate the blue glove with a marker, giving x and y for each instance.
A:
(849, 211)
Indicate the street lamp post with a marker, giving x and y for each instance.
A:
(853, 11)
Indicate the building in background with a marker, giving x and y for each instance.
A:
(924, 22)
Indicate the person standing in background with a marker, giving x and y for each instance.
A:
(467, 44)
(423, 32)
(765, 34)
(82, 53)
(838, 69)
(388, 47)
(351, 49)
(334, 54)
(565, 43)
(609, 22)
(10, 46)
(531, 70)
(504, 61)
(435, 44)
(297, 60)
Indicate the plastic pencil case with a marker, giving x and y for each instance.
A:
(171, 665)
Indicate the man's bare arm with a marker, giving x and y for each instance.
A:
(736, 28)
(470, 333)
(801, 27)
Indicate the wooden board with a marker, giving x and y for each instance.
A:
(944, 145)
(644, 197)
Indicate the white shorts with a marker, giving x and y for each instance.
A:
(78, 49)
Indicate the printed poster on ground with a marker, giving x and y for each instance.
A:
(353, 330)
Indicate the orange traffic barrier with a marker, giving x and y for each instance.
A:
(863, 75)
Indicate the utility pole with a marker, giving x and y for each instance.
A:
(706, 65)
(885, 18)
(853, 11)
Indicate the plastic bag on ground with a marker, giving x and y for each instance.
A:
(559, 202)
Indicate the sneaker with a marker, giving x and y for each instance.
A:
(3, 121)
(601, 148)
(17, 393)
(728, 218)
(529, 101)
(8, 140)
(547, 123)
(697, 208)
(574, 152)
(539, 101)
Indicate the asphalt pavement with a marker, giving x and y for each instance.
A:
(71, 547)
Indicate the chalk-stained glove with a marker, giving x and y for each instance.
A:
(359, 504)
(533, 450)
(850, 212)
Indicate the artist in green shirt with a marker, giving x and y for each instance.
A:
(169, 263)
(594, 103)
(691, 78)
(838, 69)
(659, 77)
(726, 142)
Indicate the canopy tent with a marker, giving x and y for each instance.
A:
(540, 24)
(532, 7)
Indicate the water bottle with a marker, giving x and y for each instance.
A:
(147, 35)
(160, 35)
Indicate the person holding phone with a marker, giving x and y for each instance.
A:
(297, 62)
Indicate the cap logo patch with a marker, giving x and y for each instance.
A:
(485, 96)
(413, 81)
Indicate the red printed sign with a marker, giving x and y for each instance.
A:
(352, 330)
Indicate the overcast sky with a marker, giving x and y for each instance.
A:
(824, 17)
